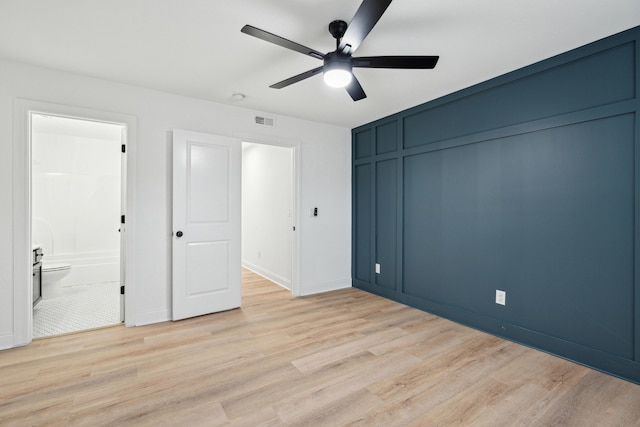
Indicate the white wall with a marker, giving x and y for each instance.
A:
(325, 243)
(267, 210)
(76, 197)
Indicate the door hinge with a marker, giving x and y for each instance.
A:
(121, 290)
(121, 219)
(124, 148)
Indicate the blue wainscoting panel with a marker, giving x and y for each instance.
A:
(543, 216)
(386, 138)
(599, 78)
(386, 222)
(362, 145)
(362, 219)
(528, 183)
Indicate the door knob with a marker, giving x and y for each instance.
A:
(179, 234)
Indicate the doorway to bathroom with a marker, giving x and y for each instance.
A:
(77, 194)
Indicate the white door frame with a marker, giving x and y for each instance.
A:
(22, 265)
(295, 247)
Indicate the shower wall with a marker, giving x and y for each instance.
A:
(76, 197)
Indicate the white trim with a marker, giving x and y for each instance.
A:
(275, 278)
(21, 275)
(294, 144)
(23, 109)
(150, 317)
(8, 341)
(320, 287)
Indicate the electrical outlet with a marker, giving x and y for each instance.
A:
(377, 268)
(501, 297)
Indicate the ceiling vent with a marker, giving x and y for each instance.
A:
(265, 121)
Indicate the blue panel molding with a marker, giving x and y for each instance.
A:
(527, 183)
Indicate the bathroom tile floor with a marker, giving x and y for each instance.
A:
(84, 307)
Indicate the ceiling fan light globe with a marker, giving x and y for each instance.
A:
(337, 77)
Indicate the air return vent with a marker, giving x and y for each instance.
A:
(265, 121)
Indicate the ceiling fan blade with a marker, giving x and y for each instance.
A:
(280, 41)
(296, 79)
(362, 23)
(355, 89)
(408, 62)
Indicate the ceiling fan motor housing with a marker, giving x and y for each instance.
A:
(333, 60)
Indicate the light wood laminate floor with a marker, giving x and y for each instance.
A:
(340, 358)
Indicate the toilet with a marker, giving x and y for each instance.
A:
(53, 275)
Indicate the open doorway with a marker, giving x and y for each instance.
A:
(23, 260)
(207, 209)
(268, 212)
(77, 194)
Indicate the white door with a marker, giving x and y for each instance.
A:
(206, 223)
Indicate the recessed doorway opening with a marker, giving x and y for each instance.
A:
(269, 212)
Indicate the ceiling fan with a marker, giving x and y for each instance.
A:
(338, 65)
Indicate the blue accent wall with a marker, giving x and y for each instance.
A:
(528, 183)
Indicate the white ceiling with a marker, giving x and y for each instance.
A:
(195, 47)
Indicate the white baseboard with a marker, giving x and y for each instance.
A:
(320, 287)
(150, 317)
(276, 278)
(6, 341)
